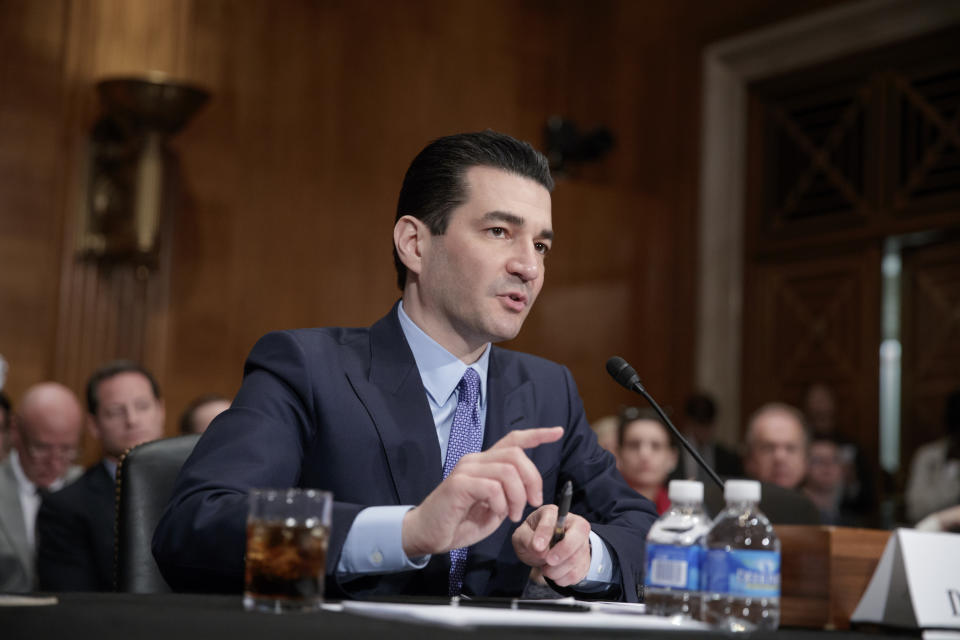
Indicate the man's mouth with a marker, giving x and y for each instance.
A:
(514, 301)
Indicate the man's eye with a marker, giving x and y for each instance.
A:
(542, 247)
(498, 232)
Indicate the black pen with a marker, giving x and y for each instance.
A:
(565, 498)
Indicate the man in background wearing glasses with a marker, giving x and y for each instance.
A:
(45, 434)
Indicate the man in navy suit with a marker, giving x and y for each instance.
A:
(75, 525)
(367, 414)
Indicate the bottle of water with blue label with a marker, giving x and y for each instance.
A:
(675, 553)
(742, 565)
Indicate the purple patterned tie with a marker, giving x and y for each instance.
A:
(465, 437)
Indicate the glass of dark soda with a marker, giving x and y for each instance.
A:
(287, 533)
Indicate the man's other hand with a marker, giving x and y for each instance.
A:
(568, 562)
(482, 490)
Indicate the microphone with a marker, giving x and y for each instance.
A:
(624, 374)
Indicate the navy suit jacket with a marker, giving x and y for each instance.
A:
(75, 534)
(345, 410)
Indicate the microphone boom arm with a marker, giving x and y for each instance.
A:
(624, 374)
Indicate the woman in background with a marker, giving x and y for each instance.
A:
(647, 454)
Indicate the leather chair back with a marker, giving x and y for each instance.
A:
(145, 479)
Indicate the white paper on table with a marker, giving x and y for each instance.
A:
(938, 634)
(18, 600)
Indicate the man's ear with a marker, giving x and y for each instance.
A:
(92, 428)
(409, 237)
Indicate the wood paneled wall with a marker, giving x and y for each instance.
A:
(290, 174)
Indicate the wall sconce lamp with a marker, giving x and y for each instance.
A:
(569, 148)
(130, 166)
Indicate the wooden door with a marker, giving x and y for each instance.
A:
(843, 157)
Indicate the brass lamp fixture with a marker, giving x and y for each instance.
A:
(130, 166)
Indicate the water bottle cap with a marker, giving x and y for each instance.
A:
(741, 491)
(685, 491)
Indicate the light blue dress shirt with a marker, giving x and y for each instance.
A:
(374, 542)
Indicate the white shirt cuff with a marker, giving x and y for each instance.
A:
(602, 572)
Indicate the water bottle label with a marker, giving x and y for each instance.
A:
(673, 567)
(743, 573)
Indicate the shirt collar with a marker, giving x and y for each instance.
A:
(440, 370)
(111, 467)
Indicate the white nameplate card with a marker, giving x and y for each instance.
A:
(916, 584)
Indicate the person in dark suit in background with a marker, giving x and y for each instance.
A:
(858, 496)
(380, 416)
(823, 484)
(75, 526)
(699, 418)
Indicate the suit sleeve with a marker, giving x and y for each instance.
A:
(259, 442)
(617, 513)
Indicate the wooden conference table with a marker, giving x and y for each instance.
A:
(109, 616)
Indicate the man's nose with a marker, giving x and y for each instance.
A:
(525, 264)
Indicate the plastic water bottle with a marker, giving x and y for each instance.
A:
(675, 553)
(742, 564)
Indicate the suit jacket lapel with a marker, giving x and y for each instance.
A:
(510, 405)
(397, 402)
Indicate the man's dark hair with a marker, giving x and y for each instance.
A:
(700, 408)
(110, 370)
(186, 418)
(434, 184)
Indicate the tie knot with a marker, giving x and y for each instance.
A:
(469, 386)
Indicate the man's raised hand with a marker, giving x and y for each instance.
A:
(481, 491)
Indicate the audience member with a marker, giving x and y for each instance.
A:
(5, 409)
(75, 526)
(607, 429)
(934, 482)
(700, 414)
(200, 413)
(647, 455)
(858, 491)
(45, 434)
(777, 445)
(824, 481)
